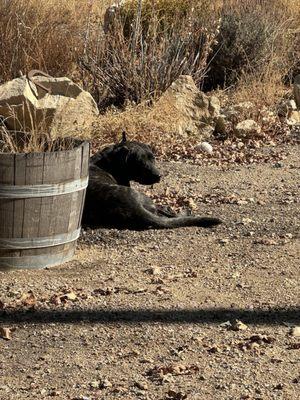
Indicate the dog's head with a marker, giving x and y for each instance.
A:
(130, 161)
(139, 162)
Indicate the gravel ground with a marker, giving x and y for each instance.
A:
(178, 314)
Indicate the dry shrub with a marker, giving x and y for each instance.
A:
(147, 124)
(16, 142)
(255, 36)
(47, 35)
(144, 50)
(262, 88)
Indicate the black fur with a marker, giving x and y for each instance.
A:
(111, 202)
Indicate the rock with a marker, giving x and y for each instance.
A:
(226, 324)
(294, 118)
(285, 107)
(66, 110)
(280, 386)
(297, 90)
(248, 129)
(214, 106)
(95, 384)
(5, 333)
(295, 331)
(238, 326)
(214, 349)
(141, 385)
(105, 384)
(244, 107)
(154, 270)
(224, 241)
(204, 147)
(55, 393)
(193, 110)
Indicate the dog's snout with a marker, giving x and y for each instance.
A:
(157, 177)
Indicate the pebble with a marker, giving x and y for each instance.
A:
(154, 271)
(239, 326)
(205, 147)
(141, 385)
(95, 384)
(224, 241)
(295, 331)
(105, 384)
(278, 165)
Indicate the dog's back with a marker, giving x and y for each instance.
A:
(111, 202)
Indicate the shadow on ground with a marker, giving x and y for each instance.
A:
(273, 316)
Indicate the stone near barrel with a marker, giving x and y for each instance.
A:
(297, 90)
(64, 110)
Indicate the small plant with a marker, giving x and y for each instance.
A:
(14, 142)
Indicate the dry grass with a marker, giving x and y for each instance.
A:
(16, 142)
(141, 122)
(54, 35)
(47, 35)
(258, 50)
(256, 53)
(144, 50)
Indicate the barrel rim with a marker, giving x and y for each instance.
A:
(77, 144)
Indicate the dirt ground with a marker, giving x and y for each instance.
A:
(152, 315)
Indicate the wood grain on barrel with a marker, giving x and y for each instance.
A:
(42, 216)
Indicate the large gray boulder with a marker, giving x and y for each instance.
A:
(64, 110)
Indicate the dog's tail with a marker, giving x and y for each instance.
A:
(159, 222)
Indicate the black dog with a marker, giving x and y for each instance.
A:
(111, 202)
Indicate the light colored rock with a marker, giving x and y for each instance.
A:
(231, 115)
(244, 107)
(248, 129)
(268, 117)
(237, 112)
(294, 118)
(194, 110)
(295, 331)
(66, 110)
(204, 147)
(286, 107)
(214, 106)
(239, 326)
(297, 90)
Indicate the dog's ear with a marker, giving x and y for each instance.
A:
(124, 138)
(123, 152)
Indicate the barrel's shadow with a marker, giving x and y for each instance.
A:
(274, 316)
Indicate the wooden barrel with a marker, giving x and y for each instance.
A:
(41, 202)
